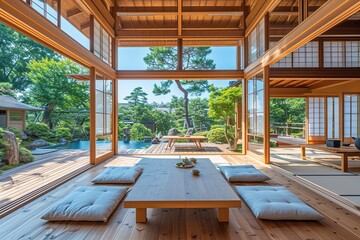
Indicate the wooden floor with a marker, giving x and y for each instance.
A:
(25, 223)
(182, 148)
(22, 184)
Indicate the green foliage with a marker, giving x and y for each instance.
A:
(194, 58)
(62, 132)
(216, 126)
(162, 120)
(203, 133)
(38, 130)
(52, 87)
(216, 135)
(8, 167)
(139, 131)
(25, 155)
(16, 52)
(198, 109)
(137, 97)
(17, 131)
(222, 102)
(3, 145)
(6, 89)
(284, 110)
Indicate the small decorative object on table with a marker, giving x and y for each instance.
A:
(185, 163)
(346, 144)
(195, 172)
(193, 160)
(333, 143)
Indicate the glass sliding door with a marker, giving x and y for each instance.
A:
(255, 99)
(104, 115)
(316, 120)
(351, 116)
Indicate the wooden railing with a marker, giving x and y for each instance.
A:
(288, 129)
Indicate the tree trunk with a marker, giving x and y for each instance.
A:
(225, 132)
(48, 109)
(186, 102)
(12, 148)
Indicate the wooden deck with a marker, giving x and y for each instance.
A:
(20, 185)
(182, 148)
(25, 223)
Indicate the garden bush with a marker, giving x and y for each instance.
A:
(203, 133)
(38, 130)
(63, 132)
(216, 126)
(216, 135)
(25, 155)
(17, 131)
(139, 131)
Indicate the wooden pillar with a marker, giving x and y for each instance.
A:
(180, 54)
(92, 33)
(326, 120)
(92, 116)
(59, 13)
(302, 10)
(321, 53)
(29, 2)
(244, 125)
(266, 75)
(307, 120)
(115, 117)
(341, 117)
(238, 56)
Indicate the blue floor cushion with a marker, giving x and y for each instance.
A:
(125, 175)
(87, 203)
(243, 173)
(276, 203)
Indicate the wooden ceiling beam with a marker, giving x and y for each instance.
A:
(73, 12)
(327, 16)
(310, 73)
(258, 12)
(172, 11)
(180, 75)
(21, 17)
(84, 25)
(161, 34)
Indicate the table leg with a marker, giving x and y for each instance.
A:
(199, 142)
(140, 215)
(173, 143)
(344, 162)
(169, 143)
(195, 142)
(303, 153)
(223, 214)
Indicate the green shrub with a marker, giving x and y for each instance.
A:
(204, 133)
(17, 131)
(38, 130)
(216, 135)
(3, 144)
(139, 131)
(25, 155)
(216, 126)
(63, 132)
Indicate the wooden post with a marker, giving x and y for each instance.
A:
(307, 120)
(180, 54)
(341, 117)
(244, 125)
(321, 53)
(266, 76)
(59, 13)
(92, 33)
(115, 117)
(326, 120)
(92, 116)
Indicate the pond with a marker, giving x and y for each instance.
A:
(102, 144)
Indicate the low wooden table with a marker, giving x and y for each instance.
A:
(195, 139)
(345, 152)
(162, 185)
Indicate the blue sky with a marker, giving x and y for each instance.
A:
(132, 59)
